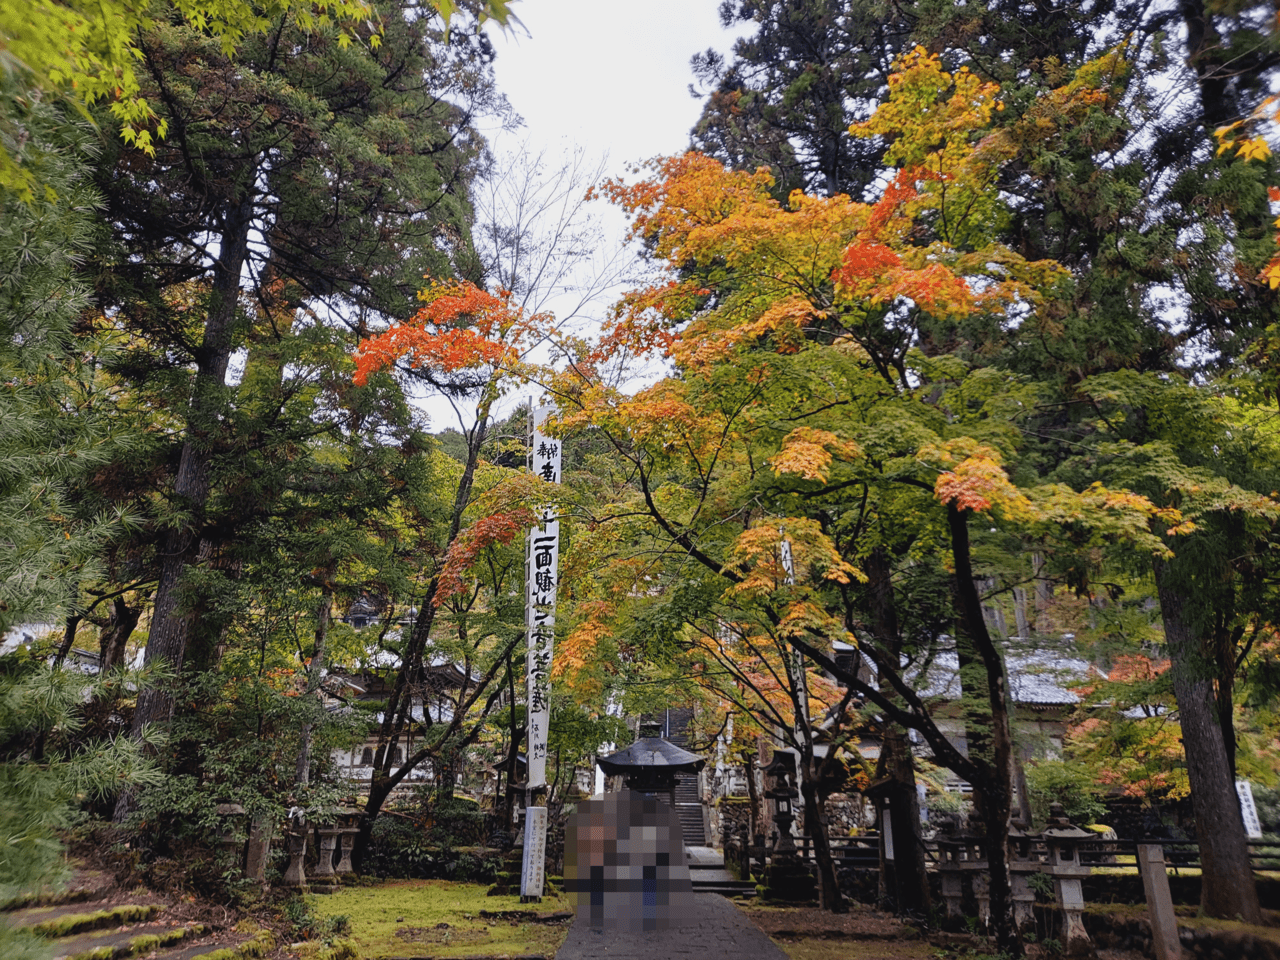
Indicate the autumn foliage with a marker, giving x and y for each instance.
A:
(459, 327)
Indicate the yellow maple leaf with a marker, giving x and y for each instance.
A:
(809, 452)
(1254, 148)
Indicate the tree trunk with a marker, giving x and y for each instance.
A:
(68, 638)
(995, 791)
(513, 757)
(1227, 888)
(1023, 625)
(996, 814)
(756, 813)
(909, 883)
(170, 624)
(829, 897)
(315, 671)
(114, 638)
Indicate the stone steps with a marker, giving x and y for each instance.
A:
(129, 941)
(55, 922)
(84, 925)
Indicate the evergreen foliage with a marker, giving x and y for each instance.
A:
(56, 422)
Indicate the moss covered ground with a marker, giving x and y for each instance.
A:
(443, 919)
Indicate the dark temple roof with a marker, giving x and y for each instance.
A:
(650, 752)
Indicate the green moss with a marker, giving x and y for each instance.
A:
(259, 946)
(74, 923)
(142, 944)
(1270, 934)
(51, 899)
(417, 909)
(339, 950)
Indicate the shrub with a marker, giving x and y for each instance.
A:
(1070, 783)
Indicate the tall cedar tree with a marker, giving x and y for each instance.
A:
(786, 96)
(341, 170)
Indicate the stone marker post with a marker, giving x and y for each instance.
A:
(258, 851)
(230, 839)
(950, 871)
(1155, 883)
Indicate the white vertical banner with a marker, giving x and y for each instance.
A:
(1248, 810)
(533, 867)
(801, 679)
(542, 562)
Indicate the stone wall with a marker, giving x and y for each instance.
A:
(728, 816)
(847, 815)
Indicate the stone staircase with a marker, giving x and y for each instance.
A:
(688, 797)
(95, 922)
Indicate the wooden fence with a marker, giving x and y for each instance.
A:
(863, 853)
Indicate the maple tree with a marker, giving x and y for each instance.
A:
(816, 392)
(477, 342)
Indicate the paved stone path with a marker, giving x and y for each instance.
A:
(715, 930)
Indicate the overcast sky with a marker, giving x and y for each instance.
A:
(608, 74)
(611, 77)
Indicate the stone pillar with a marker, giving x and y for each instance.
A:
(1071, 900)
(950, 872)
(1155, 882)
(295, 876)
(327, 842)
(346, 843)
(1021, 867)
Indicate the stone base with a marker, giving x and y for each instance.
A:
(789, 883)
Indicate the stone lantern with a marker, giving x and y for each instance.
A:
(960, 854)
(1021, 866)
(348, 821)
(779, 789)
(1064, 840)
(787, 877)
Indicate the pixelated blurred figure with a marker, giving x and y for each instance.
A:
(624, 863)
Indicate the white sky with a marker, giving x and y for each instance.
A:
(611, 75)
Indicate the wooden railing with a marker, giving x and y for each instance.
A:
(1263, 854)
(863, 852)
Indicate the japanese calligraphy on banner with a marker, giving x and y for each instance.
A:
(801, 679)
(533, 867)
(1249, 810)
(542, 568)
